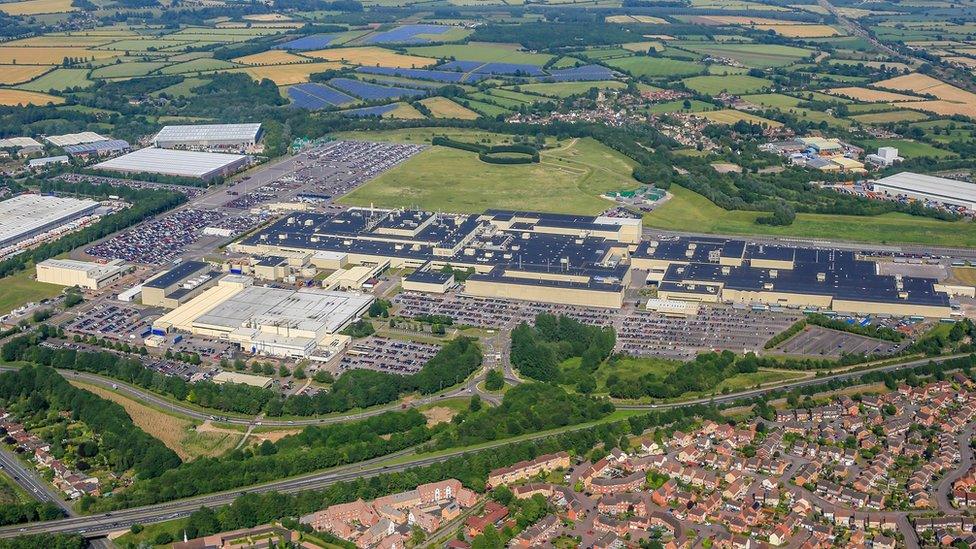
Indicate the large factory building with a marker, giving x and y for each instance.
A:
(84, 274)
(208, 136)
(574, 260)
(29, 215)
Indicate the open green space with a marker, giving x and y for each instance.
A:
(570, 179)
(907, 148)
(479, 51)
(127, 70)
(59, 80)
(752, 55)
(21, 288)
(689, 211)
(736, 84)
(566, 89)
(653, 67)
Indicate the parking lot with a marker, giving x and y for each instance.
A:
(387, 355)
(116, 322)
(816, 340)
(338, 167)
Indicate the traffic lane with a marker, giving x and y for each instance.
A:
(28, 479)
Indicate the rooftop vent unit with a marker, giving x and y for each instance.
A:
(469, 251)
(282, 236)
(516, 247)
(768, 286)
(902, 295)
(398, 247)
(507, 256)
(726, 270)
(308, 223)
(314, 239)
(347, 242)
(264, 236)
(821, 277)
(692, 246)
(773, 273)
(690, 252)
(525, 236)
(291, 220)
(579, 241)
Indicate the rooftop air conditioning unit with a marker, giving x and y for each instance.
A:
(821, 277)
(282, 236)
(768, 286)
(726, 270)
(291, 220)
(773, 273)
(308, 223)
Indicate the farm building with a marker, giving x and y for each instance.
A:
(208, 136)
(929, 188)
(84, 274)
(196, 165)
(28, 215)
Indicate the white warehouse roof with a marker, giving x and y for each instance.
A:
(936, 188)
(29, 214)
(74, 138)
(19, 142)
(208, 133)
(172, 162)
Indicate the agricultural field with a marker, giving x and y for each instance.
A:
(286, 75)
(731, 116)
(566, 89)
(752, 55)
(15, 74)
(11, 97)
(872, 96)
(371, 56)
(59, 80)
(735, 84)
(12, 55)
(890, 116)
(441, 107)
(653, 67)
(36, 7)
(271, 57)
(908, 149)
(800, 31)
(484, 52)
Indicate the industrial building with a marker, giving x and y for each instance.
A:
(37, 163)
(262, 382)
(21, 143)
(197, 165)
(575, 260)
(928, 188)
(74, 139)
(29, 215)
(84, 274)
(272, 321)
(98, 148)
(208, 136)
(886, 156)
(734, 271)
(178, 285)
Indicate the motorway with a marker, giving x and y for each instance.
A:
(30, 481)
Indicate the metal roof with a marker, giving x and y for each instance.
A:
(209, 132)
(937, 187)
(107, 145)
(74, 138)
(170, 162)
(28, 213)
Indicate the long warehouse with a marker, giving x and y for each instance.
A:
(198, 165)
(28, 215)
(208, 136)
(929, 188)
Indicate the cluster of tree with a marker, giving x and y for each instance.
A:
(526, 408)
(148, 204)
(871, 330)
(545, 35)
(19, 513)
(360, 328)
(702, 374)
(315, 448)
(497, 154)
(12, 27)
(537, 351)
(454, 362)
(794, 329)
(47, 541)
(39, 389)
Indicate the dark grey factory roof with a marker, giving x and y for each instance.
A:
(97, 146)
(498, 275)
(429, 277)
(176, 274)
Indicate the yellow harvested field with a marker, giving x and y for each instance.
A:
(372, 57)
(259, 25)
(731, 116)
(800, 31)
(286, 75)
(642, 46)
(49, 41)
(870, 96)
(35, 7)
(660, 36)
(15, 74)
(405, 111)
(943, 108)
(48, 56)
(739, 20)
(20, 97)
(964, 61)
(272, 57)
(442, 107)
(646, 19)
(924, 84)
(267, 17)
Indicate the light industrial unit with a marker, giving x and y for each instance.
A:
(177, 285)
(208, 136)
(84, 274)
(28, 215)
(198, 165)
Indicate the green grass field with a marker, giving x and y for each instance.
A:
(679, 105)
(736, 83)
(197, 65)
(127, 70)
(21, 288)
(566, 89)
(570, 179)
(890, 116)
(59, 80)
(752, 55)
(479, 51)
(484, 108)
(689, 211)
(907, 148)
(652, 67)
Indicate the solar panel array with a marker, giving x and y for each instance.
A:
(406, 34)
(311, 42)
(316, 96)
(372, 92)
